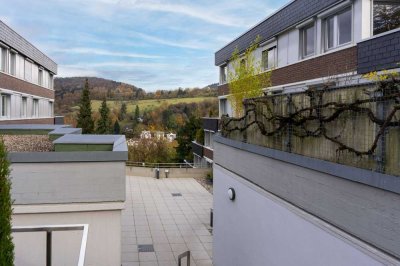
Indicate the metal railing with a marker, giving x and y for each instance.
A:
(162, 165)
(49, 229)
(183, 255)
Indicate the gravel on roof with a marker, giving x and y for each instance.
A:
(28, 143)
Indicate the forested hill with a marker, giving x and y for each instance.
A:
(68, 91)
(99, 88)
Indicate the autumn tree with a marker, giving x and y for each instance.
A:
(104, 122)
(6, 244)
(247, 79)
(85, 120)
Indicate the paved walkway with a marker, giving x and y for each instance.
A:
(172, 224)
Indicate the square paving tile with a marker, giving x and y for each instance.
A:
(172, 225)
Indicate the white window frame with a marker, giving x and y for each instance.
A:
(35, 107)
(26, 71)
(24, 106)
(303, 47)
(8, 105)
(325, 34)
(40, 76)
(51, 108)
(3, 58)
(223, 73)
(269, 48)
(13, 62)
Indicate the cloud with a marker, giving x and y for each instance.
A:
(94, 51)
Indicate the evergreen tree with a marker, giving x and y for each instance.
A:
(137, 113)
(185, 136)
(122, 112)
(6, 244)
(85, 120)
(104, 123)
(117, 128)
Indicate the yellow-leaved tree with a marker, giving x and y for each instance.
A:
(247, 77)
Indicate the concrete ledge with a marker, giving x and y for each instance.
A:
(53, 157)
(371, 178)
(70, 207)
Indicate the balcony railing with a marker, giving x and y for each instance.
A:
(49, 229)
(357, 126)
(197, 148)
(211, 123)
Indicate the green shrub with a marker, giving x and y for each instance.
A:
(6, 244)
(210, 176)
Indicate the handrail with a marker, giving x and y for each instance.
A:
(184, 254)
(49, 229)
(162, 165)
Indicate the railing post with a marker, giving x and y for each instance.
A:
(48, 247)
(288, 140)
(381, 110)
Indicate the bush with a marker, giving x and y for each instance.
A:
(210, 177)
(6, 244)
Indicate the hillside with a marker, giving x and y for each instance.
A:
(68, 92)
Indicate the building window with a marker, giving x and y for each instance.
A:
(223, 107)
(5, 105)
(51, 108)
(207, 139)
(50, 81)
(24, 107)
(35, 108)
(308, 40)
(223, 73)
(386, 16)
(338, 29)
(3, 59)
(28, 70)
(13, 63)
(40, 77)
(269, 58)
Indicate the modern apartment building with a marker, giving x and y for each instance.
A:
(296, 181)
(308, 43)
(26, 81)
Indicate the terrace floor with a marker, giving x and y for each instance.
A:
(173, 224)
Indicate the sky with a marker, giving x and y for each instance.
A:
(152, 44)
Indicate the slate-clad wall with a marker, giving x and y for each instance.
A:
(379, 53)
(290, 15)
(16, 41)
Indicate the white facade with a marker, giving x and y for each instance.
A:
(258, 228)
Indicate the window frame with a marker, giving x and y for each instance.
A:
(35, 107)
(3, 58)
(40, 77)
(265, 60)
(24, 106)
(303, 34)
(8, 105)
(325, 25)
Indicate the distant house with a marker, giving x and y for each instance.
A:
(145, 134)
(171, 137)
(159, 135)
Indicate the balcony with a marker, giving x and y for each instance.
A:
(211, 123)
(197, 148)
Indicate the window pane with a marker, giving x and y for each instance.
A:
(265, 59)
(13, 64)
(330, 32)
(386, 16)
(271, 58)
(3, 59)
(344, 27)
(308, 41)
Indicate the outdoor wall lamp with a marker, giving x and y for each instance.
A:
(231, 194)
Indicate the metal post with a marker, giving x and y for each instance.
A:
(184, 254)
(380, 149)
(211, 217)
(48, 248)
(288, 141)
